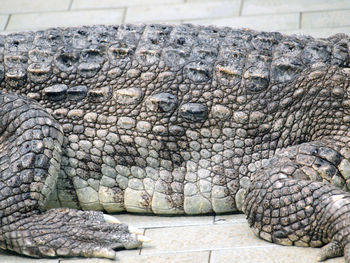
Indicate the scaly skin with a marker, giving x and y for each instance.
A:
(171, 120)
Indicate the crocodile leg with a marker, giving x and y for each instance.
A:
(30, 154)
(293, 200)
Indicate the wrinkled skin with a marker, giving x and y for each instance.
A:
(171, 120)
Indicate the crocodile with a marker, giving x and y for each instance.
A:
(168, 119)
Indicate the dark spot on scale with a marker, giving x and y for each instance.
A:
(194, 112)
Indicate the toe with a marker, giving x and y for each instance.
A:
(104, 253)
(331, 250)
(132, 242)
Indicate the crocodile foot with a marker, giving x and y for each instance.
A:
(302, 213)
(284, 206)
(331, 250)
(68, 232)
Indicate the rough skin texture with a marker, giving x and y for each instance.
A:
(172, 120)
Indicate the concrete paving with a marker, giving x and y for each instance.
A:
(195, 239)
(202, 239)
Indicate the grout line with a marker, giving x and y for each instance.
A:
(325, 10)
(162, 252)
(144, 233)
(297, 11)
(241, 8)
(7, 22)
(243, 221)
(70, 5)
(300, 19)
(209, 256)
(124, 15)
(258, 15)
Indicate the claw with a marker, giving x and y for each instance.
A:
(143, 239)
(135, 230)
(104, 253)
(111, 219)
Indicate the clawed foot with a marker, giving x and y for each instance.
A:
(69, 232)
(334, 249)
(331, 250)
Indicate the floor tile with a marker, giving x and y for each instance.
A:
(3, 21)
(189, 257)
(283, 6)
(87, 260)
(91, 4)
(267, 22)
(149, 221)
(9, 257)
(182, 11)
(25, 6)
(121, 255)
(275, 254)
(325, 19)
(64, 19)
(319, 32)
(196, 238)
(230, 219)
